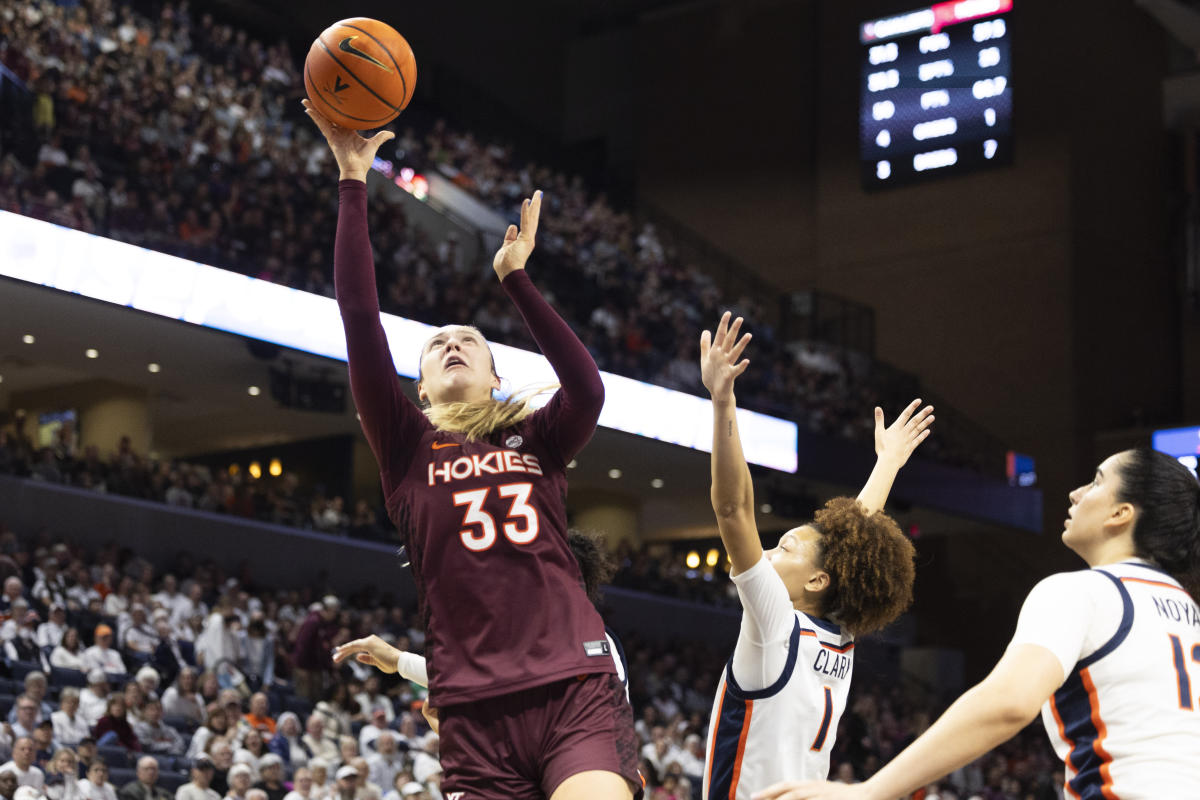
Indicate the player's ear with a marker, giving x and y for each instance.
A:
(817, 582)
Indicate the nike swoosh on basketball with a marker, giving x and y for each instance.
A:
(346, 46)
(442, 445)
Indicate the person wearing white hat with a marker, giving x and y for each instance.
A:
(414, 790)
(239, 782)
(346, 783)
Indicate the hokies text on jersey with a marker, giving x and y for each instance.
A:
(475, 466)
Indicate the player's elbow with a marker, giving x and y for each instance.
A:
(728, 508)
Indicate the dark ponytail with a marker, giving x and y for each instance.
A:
(596, 564)
(1167, 499)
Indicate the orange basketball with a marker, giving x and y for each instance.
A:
(360, 73)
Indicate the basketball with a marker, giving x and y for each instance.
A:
(360, 73)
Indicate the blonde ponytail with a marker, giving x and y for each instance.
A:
(479, 420)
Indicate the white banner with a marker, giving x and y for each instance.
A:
(124, 275)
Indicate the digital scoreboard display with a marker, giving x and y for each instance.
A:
(936, 92)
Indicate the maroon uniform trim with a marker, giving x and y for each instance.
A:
(484, 521)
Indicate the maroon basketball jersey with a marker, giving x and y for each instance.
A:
(484, 521)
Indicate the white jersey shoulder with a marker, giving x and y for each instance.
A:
(1126, 720)
(785, 731)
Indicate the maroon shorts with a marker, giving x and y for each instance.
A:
(521, 746)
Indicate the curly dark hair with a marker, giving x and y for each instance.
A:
(596, 564)
(870, 566)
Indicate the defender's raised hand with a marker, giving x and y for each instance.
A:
(354, 152)
(898, 441)
(519, 242)
(719, 354)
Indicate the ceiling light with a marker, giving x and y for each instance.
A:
(254, 391)
(573, 464)
(692, 560)
(28, 338)
(275, 467)
(614, 473)
(657, 483)
(92, 352)
(1, 379)
(712, 557)
(153, 367)
(765, 508)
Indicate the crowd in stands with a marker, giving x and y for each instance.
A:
(282, 500)
(182, 134)
(125, 679)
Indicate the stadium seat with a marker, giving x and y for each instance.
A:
(60, 676)
(116, 757)
(169, 780)
(10, 686)
(188, 651)
(6, 704)
(22, 668)
(185, 725)
(298, 706)
(116, 680)
(119, 776)
(356, 727)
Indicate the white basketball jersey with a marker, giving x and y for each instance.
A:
(1126, 720)
(785, 731)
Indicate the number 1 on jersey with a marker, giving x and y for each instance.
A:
(485, 537)
(1181, 671)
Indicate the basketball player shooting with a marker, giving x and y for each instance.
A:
(529, 702)
(847, 573)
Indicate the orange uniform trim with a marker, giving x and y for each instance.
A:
(741, 751)
(1101, 732)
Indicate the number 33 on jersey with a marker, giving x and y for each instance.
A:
(481, 525)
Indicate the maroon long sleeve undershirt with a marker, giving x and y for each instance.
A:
(390, 421)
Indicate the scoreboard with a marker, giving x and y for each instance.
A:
(936, 92)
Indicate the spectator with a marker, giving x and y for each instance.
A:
(314, 739)
(251, 752)
(50, 633)
(70, 725)
(138, 637)
(239, 782)
(414, 791)
(287, 744)
(62, 776)
(347, 749)
(425, 761)
(26, 709)
(145, 787)
(69, 653)
(13, 591)
(23, 646)
(8, 784)
(35, 688)
(383, 765)
(257, 653)
(93, 701)
(313, 644)
(371, 732)
(96, 786)
(17, 611)
(221, 751)
(346, 787)
(372, 699)
(50, 589)
(259, 717)
(198, 787)
(302, 786)
(43, 744)
(148, 681)
(318, 769)
(22, 764)
(270, 767)
(114, 728)
(155, 736)
(366, 789)
(101, 656)
(87, 754)
(182, 700)
(334, 711)
(216, 726)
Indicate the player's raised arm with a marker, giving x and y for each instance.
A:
(388, 417)
(573, 411)
(893, 445)
(732, 491)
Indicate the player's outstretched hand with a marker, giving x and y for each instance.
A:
(812, 790)
(354, 152)
(371, 650)
(719, 357)
(519, 242)
(897, 442)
